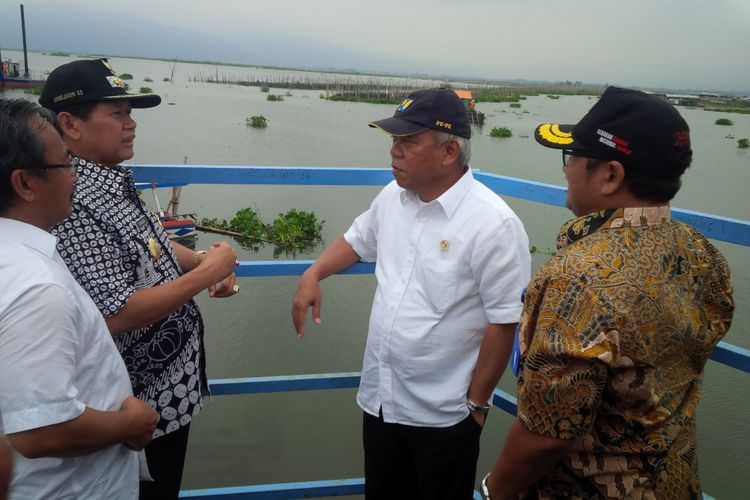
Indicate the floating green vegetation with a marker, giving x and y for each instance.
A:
(165, 79)
(148, 79)
(743, 143)
(356, 98)
(290, 231)
(274, 97)
(36, 90)
(126, 87)
(500, 132)
(256, 121)
(553, 96)
(724, 121)
(296, 227)
(264, 88)
(546, 251)
(521, 97)
(288, 93)
(744, 110)
(497, 98)
(146, 90)
(515, 105)
(126, 76)
(60, 54)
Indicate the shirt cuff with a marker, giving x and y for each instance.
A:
(505, 316)
(42, 416)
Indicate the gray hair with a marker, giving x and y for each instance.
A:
(464, 145)
(20, 146)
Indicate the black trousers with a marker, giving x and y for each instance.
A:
(429, 463)
(166, 458)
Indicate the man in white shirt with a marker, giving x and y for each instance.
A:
(451, 262)
(65, 399)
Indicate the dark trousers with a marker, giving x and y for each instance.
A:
(429, 463)
(166, 457)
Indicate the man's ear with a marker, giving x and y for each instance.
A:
(452, 151)
(612, 177)
(69, 125)
(23, 184)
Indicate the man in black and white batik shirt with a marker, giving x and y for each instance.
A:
(117, 250)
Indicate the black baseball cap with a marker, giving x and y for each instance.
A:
(88, 80)
(641, 131)
(436, 109)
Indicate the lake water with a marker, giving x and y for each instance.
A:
(287, 437)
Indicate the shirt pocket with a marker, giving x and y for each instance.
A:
(438, 278)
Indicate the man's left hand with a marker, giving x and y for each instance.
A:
(479, 418)
(225, 288)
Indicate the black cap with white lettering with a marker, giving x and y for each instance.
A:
(88, 80)
(436, 109)
(641, 131)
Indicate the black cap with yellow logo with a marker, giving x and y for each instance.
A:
(642, 131)
(436, 109)
(90, 80)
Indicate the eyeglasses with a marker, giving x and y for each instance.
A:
(70, 166)
(568, 153)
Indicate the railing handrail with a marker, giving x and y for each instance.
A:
(712, 226)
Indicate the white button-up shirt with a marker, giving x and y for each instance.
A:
(56, 358)
(445, 271)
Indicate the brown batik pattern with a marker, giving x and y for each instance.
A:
(615, 331)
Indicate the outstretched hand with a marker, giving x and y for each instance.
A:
(308, 294)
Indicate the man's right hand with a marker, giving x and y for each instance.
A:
(219, 262)
(308, 294)
(142, 423)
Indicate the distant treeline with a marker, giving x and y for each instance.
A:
(383, 90)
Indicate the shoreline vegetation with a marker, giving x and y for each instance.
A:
(380, 88)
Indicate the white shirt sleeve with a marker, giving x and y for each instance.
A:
(39, 350)
(501, 264)
(362, 235)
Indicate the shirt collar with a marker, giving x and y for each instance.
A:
(450, 199)
(116, 180)
(29, 235)
(577, 228)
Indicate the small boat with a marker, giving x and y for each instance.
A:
(178, 226)
(11, 76)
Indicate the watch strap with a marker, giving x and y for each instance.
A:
(477, 408)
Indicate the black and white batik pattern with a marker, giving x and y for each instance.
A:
(105, 243)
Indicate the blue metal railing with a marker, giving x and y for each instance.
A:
(715, 227)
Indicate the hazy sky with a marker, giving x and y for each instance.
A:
(647, 43)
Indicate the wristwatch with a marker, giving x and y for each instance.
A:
(197, 256)
(483, 487)
(475, 408)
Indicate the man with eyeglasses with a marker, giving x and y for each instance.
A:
(618, 325)
(142, 282)
(66, 404)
